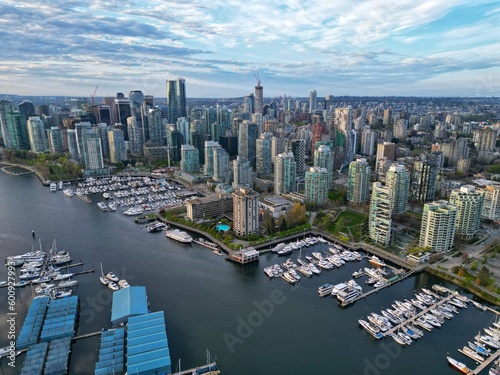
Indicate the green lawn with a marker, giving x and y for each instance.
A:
(349, 222)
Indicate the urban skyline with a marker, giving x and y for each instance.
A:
(368, 48)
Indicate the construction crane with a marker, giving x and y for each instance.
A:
(257, 78)
(92, 97)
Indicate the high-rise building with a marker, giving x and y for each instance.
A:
(491, 204)
(386, 150)
(245, 212)
(323, 158)
(368, 141)
(298, 148)
(174, 143)
(37, 136)
(122, 110)
(454, 150)
(259, 99)
(72, 138)
(397, 179)
(379, 220)
(313, 101)
(222, 166)
(14, 130)
(176, 100)
(358, 181)
(224, 118)
(80, 128)
(117, 149)
(184, 127)
(423, 183)
(242, 173)
(190, 159)
(484, 139)
(134, 136)
(401, 129)
(469, 202)
(284, 173)
(437, 229)
(55, 140)
(102, 130)
(247, 137)
(92, 150)
(344, 138)
(248, 106)
(388, 116)
(156, 129)
(27, 109)
(263, 154)
(278, 145)
(316, 186)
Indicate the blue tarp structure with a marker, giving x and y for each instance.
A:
(128, 302)
(57, 358)
(111, 353)
(147, 345)
(33, 363)
(60, 319)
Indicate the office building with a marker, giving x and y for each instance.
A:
(437, 229)
(358, 182)
(284, 173)
(176, 100)
(379, 221)
(245, 212)
(316, 186)
(313, 101)
(278, 145)
(387, 116)
(397, 179)
(469, 203)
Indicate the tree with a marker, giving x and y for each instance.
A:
(461, 272)
(484, 276)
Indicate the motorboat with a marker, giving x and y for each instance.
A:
(67, 283)
(379, 284)
(53, 186)
(376, 261)
(359, 273)
(458, 365)
(314, 269)
(113, 286)
(133, 211)
(179, 236)
(337, 288)
(62, 294)
(289, 278)
(63, 276)
(488, 340)
(111, 277)
(269, 271)
(102, 206)
(371, 329)
(481, 349)
(156, 227)
(325, 290)
(347, 295)
(398, 339)
(41, 279)
(304, 269)
(123, 284)
(68, 192)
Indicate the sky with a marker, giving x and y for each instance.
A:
(336, 47)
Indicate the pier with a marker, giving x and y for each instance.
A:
(486, 363)
(418, 315)
(210, 245)
(87, 335)
(194, 370)
(375, 290)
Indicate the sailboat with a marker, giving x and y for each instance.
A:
(104, 280)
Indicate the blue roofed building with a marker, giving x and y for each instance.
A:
(128, 302)
(147, 345)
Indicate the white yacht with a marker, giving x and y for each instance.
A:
(53, 187)
(68, 192)
(371, 329)
(347, 295)
(339, 287)
(179, 235)
(134, 211)
(102, 206)
(325, 289)
(111, 277)
(123, 284)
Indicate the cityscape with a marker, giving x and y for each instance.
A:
(261, 188)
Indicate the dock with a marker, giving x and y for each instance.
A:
(210, 245)
(87, 335)
(84, 272)
(194, 371)
(376, 290)
(488, 361)
(418, 315)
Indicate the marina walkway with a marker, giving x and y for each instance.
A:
(418, 315)
(486, 363)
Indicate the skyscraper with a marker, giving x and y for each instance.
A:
(368, 141)
(358, 181)
(469, 202)
(248, 105)
(344, 137)
(323, 158)
(92, 150)
(379, 220)
(117, 149)
(259, 98)
(37, 136)
(398, 180)
(242, 173)
(423, 184)
(14, 130)
(55, 140)
(27, 109)
(245, 212)
(222, 166)
(247, 139)
(298, 148)
(316, 186)
(190, 159)
(437, 229)
(313, 101)
(122, 110)
(284, 173)
(263, 154)
(176, 100)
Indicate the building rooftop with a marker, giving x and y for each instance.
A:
(128, 302)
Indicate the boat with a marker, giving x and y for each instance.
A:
(102, 206)
(371, 329)
(60, 185)
(458, 365)
(21, 283)
(113, 286)
(41, 279)
(289, 278)
(379, 284)
(62, 294)
(156, 227)
(325, 290)
(105, 195)
(68, 192)
(479, 306)
(304, 269)
(63, 276)
(347, 295)
(179, 235)
(133, 211)
(111, 277)
(337, 288)
(457, 303)
(376, 261)
(488, 340)
(481, 349)
(67, 283)
(398, 339)
(359, 273)
(314, 269)
(495, 370)
(123, 284)
(269, 271)
(53, 187)
(112, 207)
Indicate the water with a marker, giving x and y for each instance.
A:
(213, 304)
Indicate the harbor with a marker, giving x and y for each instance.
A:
(184, 281)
